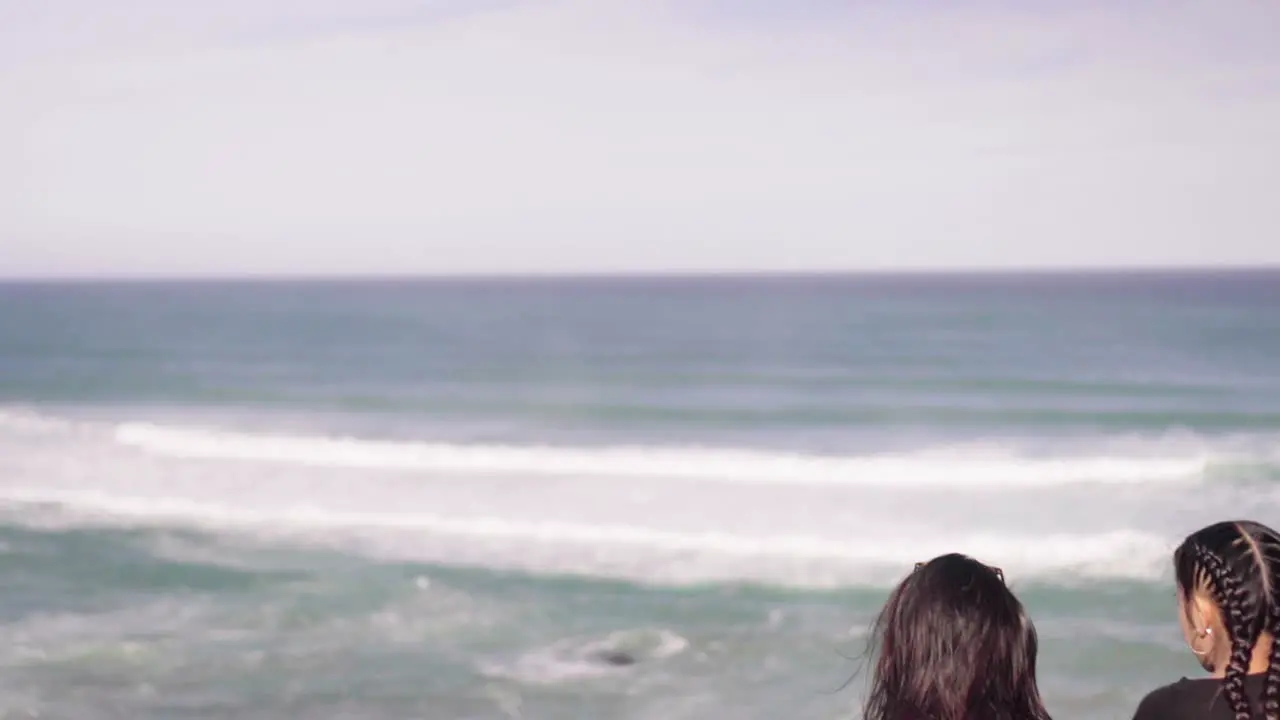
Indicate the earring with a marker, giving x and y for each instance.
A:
(1207, 632)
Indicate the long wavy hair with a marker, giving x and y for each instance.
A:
(1238, 564)
(953, 643)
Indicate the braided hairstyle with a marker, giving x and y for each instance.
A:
(1238, 565)
(1271, 697)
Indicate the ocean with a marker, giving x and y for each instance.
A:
(455, 499)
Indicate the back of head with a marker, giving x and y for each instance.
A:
(953, 643)
(1237, 565)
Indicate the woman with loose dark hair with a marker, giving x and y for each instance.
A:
(953, 643)
(1228, 577)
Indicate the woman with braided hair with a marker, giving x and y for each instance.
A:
(1228, 577)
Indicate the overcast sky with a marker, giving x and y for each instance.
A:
(153, 137)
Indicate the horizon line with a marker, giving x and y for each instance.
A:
(440, 277)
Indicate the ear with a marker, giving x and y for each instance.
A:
(1203, 612)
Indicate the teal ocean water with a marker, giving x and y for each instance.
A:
(454, 499)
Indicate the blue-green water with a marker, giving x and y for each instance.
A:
(445, 500)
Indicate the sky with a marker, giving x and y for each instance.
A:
(366, 137)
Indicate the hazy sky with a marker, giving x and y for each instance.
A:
(365, 136)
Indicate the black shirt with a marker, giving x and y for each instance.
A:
(1200, 699)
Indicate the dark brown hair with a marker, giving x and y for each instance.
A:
(953, 643)
(1238, 563)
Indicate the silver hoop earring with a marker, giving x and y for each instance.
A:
(1207, 632)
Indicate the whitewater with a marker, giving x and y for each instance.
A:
(657, 515)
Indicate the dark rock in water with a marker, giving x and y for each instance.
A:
(616, 658)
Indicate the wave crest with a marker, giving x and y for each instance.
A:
(953, 468)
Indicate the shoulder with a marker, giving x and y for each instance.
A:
(1166, 702)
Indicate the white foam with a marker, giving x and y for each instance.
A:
(645, 554)
(976, 468)
(656, 515)
(21, 420)
(576, 659)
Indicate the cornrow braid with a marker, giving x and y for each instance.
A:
(1233, 600)
(1264, 545)
(1271, 696)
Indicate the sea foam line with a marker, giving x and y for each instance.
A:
(630, 552)
(993, 468)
